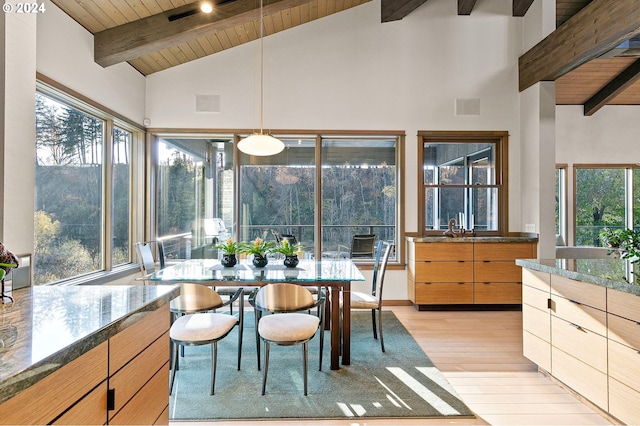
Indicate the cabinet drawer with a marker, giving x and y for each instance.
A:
(54, 394)
(497, 271)
(90, 410)
(584, 293)
(444, 251)
(578, 314)
(536, 322)
(135, 338)
(537, 350)
(502, 251)
(129, 379)
(148, 405)
(624, 331)
(626, 305)
(535, 279)
(582, 344)
(444, 272)
(497, 293)
(623, 403)
(535, 298)
(584, 379)
(623, 365)
(444, 293)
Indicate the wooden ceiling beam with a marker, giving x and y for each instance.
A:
(395, 10)
(616, 86)
(144, 36)
(520, 7)
(465, 6)
(597, 28)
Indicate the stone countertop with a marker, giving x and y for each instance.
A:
(479, 239)
(610, 273)
(46, 327)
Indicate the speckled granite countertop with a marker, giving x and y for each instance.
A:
(444, 239)
(49, 326)
(608, 273)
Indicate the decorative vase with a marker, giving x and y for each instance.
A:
(291, 261)
(259, 261)
(228, 260)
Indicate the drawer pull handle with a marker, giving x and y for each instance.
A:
(460, 261)
(460, 283)
(577, 327)
(573, 301)
(486, 261)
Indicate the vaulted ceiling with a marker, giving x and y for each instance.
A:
(592, 55)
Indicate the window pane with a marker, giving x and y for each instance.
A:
(278, 194)
(68, 213)
(121, 196)
(195, 195)
(358, 191)
(460, 184)
(600, 202)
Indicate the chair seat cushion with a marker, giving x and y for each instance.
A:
(363, 301)
(202, 327)
(293, 327)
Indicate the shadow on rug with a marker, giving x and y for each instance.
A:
(401, 382)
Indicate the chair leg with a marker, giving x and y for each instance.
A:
(373, 321)
(214, 363)
(266, 367)
(240, 333)
(257, 318)
(380, 327)
(174, 366)
(305, 353)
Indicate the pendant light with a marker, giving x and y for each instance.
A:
(261, 144)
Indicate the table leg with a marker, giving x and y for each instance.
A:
(335, 328)
(346, 324)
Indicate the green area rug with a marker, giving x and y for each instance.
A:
(401, 382)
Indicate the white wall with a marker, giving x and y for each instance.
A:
(65, 54)
(349, 71)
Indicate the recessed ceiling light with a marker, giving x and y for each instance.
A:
(206, 7)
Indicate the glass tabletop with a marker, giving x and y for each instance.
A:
(306, 271)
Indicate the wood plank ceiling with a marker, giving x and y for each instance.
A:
(154, 35)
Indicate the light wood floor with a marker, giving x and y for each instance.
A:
(480, 353)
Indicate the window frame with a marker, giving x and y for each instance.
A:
(500, 138)
(68, 97)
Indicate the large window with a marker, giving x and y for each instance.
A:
(355, 192)
(461, 181)
(195, 199)
(83, 189)
(605, 197)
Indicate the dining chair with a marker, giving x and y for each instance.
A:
(280, 321)
(144, 251)
(197, 328)
(362, 246)
(373, 300)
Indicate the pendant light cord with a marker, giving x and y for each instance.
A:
(261, 68)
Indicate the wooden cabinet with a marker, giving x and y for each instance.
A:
(588, 337)
(536, 318)
(133, 366)
(466, 272)
(623, 321)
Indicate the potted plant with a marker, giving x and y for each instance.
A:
(259, 248)
(290, 252)
(612, 238)
(229, 249)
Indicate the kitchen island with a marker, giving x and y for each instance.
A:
(581, 325)
(85, 355)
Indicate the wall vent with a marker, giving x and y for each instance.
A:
(207, 103)
(467, 106)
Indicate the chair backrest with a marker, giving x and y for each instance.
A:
(362, 246)
(283, 297)
(291, 238)
(195, 298)
(380, 267)
(20, 277)
(145, 257)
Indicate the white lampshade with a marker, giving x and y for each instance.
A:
(260, 144)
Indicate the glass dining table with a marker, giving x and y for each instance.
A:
(333, 274)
